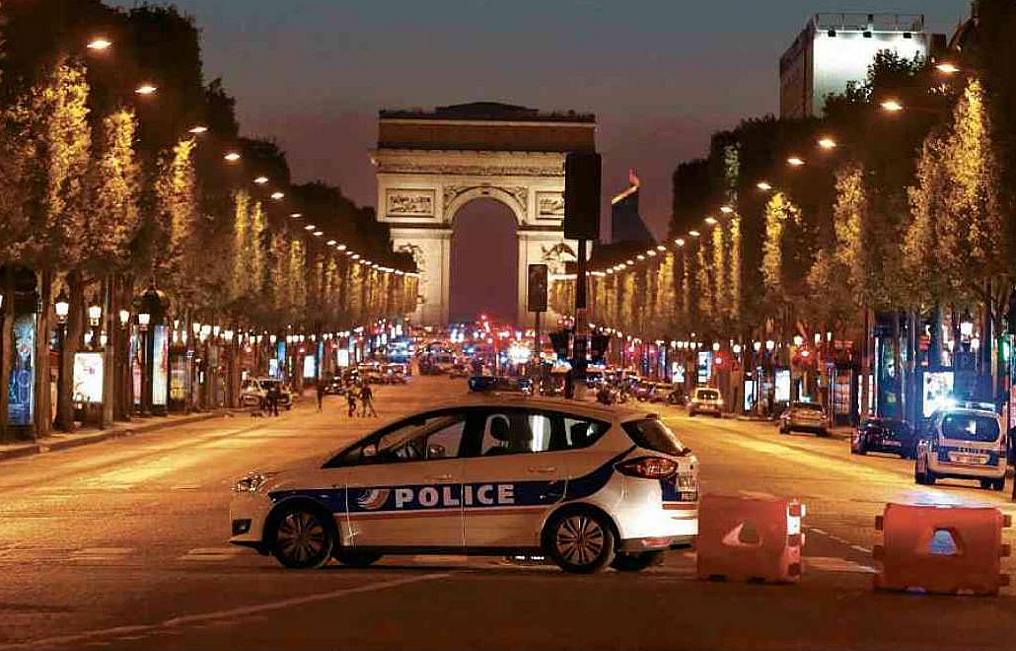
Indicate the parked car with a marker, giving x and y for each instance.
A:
(393, 374)
(963, 442)
(661, 392)
(705, 400)
(254, 390)
(615, 488)
(804, 417)
(884, 435)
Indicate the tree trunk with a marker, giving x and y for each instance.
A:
(935, 345)
(6, 323)
(865, 366)
(897, 364)
(74, 330)
(43, 415)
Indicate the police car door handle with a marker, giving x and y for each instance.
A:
(440, 477)
(543, 469)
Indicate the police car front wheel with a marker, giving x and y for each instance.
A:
(580, 541)
(303, 538)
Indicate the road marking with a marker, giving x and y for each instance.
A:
(212, 554)
(858, 548)
(832, 564)
(100, 553)
(202, 618)
(817, 530)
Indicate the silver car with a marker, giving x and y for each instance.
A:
(804, 417)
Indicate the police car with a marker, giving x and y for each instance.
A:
(587, 486)
(965, 441)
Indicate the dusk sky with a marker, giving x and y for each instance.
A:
(661, 75)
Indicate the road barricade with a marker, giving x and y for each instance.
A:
(941, 549)
(749, 539)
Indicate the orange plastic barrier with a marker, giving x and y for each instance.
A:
(941, 549)
(749, 538)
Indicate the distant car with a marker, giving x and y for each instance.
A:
(804, 417)
(643, 391)
(963, 442)
(335, 386)
(491, 383)
(884, 435)
(393, 374)
(254, 390)
(589, 487)
(458, 371)
(663, 392)
(705, 400)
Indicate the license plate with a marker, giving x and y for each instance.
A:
(968, 458)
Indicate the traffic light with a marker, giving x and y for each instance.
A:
(537, 288)
(559, 340)
(582, 196)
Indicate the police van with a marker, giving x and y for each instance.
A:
(964, 441)
(587, 486)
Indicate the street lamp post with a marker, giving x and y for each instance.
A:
(125, 395)
(62, 307)
(144, 320)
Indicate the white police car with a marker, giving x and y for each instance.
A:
(964, 442)
(585, 485)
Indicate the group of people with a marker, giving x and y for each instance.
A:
(356, 395)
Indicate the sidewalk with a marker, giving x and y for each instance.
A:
(64, 441)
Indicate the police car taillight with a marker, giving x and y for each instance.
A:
(647, 467)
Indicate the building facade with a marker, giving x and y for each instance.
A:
(835, 49)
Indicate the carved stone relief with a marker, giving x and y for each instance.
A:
(410, 203)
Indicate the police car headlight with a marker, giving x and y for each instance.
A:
(250, 483)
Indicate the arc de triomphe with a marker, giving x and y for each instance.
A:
(432, 163)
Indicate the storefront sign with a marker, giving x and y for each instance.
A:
(783, 385)
(160, 366)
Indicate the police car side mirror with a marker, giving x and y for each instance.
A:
(435, 451)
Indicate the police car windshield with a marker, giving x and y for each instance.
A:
(653, 434)
(969, 427)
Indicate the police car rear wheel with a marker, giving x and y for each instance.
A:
(638, 561)
(581, 542)
(303, 539)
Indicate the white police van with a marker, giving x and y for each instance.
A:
(964, 441)
(588, 486)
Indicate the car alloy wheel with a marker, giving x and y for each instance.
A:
(302, 539)
(581, 542)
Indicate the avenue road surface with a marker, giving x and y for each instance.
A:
(122, 545)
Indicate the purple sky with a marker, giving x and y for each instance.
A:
(661, 75)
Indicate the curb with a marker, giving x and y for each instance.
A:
(106, 435)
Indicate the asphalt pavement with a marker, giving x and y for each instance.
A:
(122, 545)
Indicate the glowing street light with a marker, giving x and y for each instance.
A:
(694, 233)
(99, 43)
(891, 105)
(278, 196)
(198, 129)
(232, 157)
(318, 233)
(947, 68)
(710, 220)
(341, 247)
(145, 89)
(795, 161)
(726, 210)
(261, 180)
(827, 143)
(332, 242)
(296, 215)
(764, 186)
(309, 227)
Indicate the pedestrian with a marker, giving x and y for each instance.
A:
(273, 395)
(367, 401)
(351, 402)
(320, 393)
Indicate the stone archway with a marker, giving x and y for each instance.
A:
(483, 264)
(431, 164)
